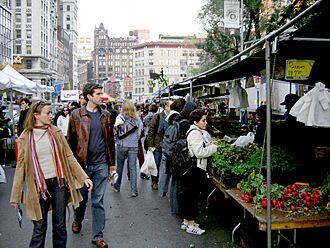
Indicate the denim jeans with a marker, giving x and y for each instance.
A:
(131, 154)
(164, 178)
(158, 158)
(99, 175)
(58, 198)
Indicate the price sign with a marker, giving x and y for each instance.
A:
(298, 69)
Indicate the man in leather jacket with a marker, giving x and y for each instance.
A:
(91, 139)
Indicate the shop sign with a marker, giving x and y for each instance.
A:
(69, 95)
(298, 69)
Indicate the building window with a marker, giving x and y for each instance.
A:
(18, 34)
(18, 17)
(28, 3)
(68, 17)
(151, 90)
(29, 18)
(18, 49)
(68, 26)
(18, 3)
(28, 63)
(28, 50)
(68, 8)
(28, 34)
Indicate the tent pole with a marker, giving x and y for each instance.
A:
(12, 111)
(268, 141)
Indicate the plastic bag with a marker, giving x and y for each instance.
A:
(149, 166)
(2, 175)
(244, 140)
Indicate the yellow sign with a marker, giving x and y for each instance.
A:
(298, 69)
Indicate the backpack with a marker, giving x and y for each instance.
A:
(182, 162)
(175, 148)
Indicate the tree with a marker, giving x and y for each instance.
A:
(259, 18)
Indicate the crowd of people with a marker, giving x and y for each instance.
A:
(65, 155)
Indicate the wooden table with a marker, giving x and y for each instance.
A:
(280, 221)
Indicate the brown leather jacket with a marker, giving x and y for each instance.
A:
(78, 135)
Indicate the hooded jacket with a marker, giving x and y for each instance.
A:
(199, 144)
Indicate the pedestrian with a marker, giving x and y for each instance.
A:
(25, 105)
(91, 139)
(155, 136)
(82, 100)
(201, 146)
(128, 129)
(63, 121)
(164, 175)
(152, 109)
(58, 113)
(51, 173)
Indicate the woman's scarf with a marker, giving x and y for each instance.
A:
(38, 175)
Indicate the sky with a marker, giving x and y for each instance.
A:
(175, 17)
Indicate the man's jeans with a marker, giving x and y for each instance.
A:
(58, 198)
(158, 158)
(99, 175)
(163, 178)
(131, 154)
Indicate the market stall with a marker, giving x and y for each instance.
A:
(279, 59)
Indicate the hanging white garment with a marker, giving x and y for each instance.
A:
(313, 109)
(238, 97)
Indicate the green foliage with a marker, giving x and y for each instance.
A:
(219, 46)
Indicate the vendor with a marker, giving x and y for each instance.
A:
(261, 126)
(289, 101)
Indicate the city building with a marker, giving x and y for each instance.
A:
(35, 39)
(142, 35)
(85, 59)
(113, 62)
(174, 60)
(6, 38)
(69, 12)
(85, 46)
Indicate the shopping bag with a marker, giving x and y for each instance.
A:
(2, 175)
(244, 140)
(149, 166)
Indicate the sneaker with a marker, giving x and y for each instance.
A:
(195, 230)
(184, 226)
(134, 194)
(76, 227)
(115, 189)
(144, 176)
(154, 186)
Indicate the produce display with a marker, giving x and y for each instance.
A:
(232, 164)
(297, 198)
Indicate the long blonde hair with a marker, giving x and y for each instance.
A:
(129, 110)
(30, 120)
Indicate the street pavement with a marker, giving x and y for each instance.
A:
(141, 222)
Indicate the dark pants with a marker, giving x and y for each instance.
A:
(191, 186)
(58, 198)
(158, 159)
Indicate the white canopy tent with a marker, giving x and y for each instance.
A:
(12, 79)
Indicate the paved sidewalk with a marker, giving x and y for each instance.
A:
(141, 222)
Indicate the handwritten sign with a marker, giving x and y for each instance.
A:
(298, 69)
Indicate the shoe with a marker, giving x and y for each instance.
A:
(163, 194)
(115, 189)
(76, 227)
(184, 226)
(134, 194)
(100, 243)
(154, 186)
(194, 230)
(144, 176)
